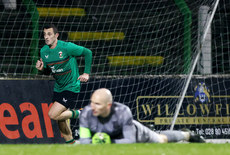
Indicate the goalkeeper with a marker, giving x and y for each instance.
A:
(105, 121)
(59, 57)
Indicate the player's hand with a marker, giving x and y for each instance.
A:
(40, 64)
(84, 77)
(101, 138)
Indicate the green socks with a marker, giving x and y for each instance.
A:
(72, 141)
(75, 114)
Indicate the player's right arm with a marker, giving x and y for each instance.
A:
(40, 65)
(85, 135)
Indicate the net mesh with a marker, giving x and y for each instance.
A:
(142, 49)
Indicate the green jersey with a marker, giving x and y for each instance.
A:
(62, 62)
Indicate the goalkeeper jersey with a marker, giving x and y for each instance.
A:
(119, 125)
(62, 62)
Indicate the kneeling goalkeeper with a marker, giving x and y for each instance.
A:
(105, 121)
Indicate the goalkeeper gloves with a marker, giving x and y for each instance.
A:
(101, 138)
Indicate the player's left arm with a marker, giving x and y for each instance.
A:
(88, 62)
(76, 50)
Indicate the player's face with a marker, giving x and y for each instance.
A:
(99, 107)
(50, 37)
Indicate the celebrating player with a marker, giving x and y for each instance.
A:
(105, 121)
(59, 57)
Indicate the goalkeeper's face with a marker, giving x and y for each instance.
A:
(99, 106)
(50, 37)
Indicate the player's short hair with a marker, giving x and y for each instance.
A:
(47, 26)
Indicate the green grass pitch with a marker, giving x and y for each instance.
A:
(116, 149)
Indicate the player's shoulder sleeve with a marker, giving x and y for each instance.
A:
(73, 49)
(123, 110)
(124, 113)
(42, 50)
(128, 117)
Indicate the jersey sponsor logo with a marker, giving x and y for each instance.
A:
(59, 70)
(46, 56)
(53, 69)
(60, 54)
(56, 70)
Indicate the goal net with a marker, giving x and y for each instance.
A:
(143, 51)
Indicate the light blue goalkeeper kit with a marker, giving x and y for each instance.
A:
(62, 62)
(119, 125)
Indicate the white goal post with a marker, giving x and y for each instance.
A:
(197, 56)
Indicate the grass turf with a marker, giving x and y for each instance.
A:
(115, 149)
